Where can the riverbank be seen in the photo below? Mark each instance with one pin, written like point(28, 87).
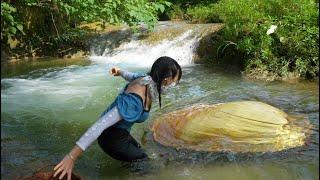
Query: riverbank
point(265, 40)
point(51, 28)
point(91, 36)
point(72, 45)
point(271, 40)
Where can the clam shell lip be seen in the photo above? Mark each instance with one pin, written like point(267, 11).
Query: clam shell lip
point(242, 126)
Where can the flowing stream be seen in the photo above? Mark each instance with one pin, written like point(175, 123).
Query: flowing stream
point(46, 105)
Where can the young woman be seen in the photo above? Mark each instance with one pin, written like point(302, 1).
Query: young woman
point(131, 106)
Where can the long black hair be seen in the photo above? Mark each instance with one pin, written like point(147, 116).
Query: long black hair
point(164, 67)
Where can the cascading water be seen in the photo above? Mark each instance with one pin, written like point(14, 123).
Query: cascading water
point(138, 53)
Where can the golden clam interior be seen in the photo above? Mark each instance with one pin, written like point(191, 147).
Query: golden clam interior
point(245, 126)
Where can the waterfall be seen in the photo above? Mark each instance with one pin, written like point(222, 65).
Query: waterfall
point(138, 53)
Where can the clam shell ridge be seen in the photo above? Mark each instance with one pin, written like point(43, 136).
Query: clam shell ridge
point(244, 126)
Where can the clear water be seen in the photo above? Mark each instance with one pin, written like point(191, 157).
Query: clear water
point(47, 105)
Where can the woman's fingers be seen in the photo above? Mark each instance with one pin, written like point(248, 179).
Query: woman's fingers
point(114, 71)
point(62, 174)
point(69, 174)
point(57, 166)
point(64, 167)
point(58, 171)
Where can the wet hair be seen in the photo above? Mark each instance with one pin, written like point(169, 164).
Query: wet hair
point(164, 67)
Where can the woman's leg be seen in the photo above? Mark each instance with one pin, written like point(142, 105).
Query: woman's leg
point(120, 145)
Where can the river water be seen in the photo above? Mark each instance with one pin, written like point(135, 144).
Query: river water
point(46, 105)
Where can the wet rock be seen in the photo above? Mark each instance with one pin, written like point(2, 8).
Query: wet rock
point(47, 176)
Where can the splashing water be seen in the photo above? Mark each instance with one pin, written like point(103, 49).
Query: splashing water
point(137, 53)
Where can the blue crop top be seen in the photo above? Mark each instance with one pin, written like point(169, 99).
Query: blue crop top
point(131, 109)
point(126, 110)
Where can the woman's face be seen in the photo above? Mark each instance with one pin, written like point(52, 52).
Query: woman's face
point(168, 81)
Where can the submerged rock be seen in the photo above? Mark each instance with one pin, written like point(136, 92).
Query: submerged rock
point(47, 176)
point(245, 126)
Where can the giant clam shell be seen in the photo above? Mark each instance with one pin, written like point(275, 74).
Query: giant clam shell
point(244, 126)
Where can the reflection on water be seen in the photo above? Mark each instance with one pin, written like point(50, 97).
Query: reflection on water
point(47, 106)
point(37, 68)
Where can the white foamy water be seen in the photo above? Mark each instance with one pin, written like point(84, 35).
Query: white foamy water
point(61, 87)
point(139, 54)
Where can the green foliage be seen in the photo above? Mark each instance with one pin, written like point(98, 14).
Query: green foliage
point(176, 12)
point(189, 10)
point(203, 14)
point(56, 21)
point(131, 12)
point(10, 26)
point(293, 47)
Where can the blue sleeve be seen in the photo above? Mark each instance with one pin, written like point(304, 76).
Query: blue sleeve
point(130, 107)
point(130, 76)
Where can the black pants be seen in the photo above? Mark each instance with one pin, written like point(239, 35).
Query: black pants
point(120, 145)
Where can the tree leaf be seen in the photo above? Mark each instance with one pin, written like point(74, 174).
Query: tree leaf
point(161, 7)
point(13, 30)
point(20, 27)
point(167, 3)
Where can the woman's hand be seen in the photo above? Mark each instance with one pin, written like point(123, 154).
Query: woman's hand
point(67, 163)
point(65, 167)
point(115, 71)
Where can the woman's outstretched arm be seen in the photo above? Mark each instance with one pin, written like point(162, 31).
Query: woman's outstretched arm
point(67, 163)
point(128, 76)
